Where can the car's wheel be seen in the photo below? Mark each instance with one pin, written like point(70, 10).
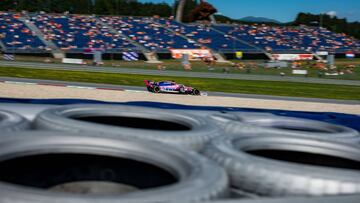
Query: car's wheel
point(10, 121)
point(43, 167)
point(245, 123)
point(156, 89)
point(182, 90)
point(131, 122)
point(150, 89)
point(288, 166)
point(196, 92)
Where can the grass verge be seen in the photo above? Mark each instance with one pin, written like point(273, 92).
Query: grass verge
point(199, 66)
point(217, 85)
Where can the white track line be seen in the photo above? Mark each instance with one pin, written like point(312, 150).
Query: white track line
point(20, 83)
point(81, 87)
point(136, 91)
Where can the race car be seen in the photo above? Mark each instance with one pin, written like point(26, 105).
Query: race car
point(170, 87)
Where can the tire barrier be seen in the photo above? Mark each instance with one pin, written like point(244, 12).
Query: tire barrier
point(43, 167)
point(10, 121)
point(288, 166)
point(333, 199)
point(245, 123)
point(224, 118)
point(180, 129)
point(111, 153)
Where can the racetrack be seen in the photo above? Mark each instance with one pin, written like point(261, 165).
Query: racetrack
point(47, 92)
point(83, 85)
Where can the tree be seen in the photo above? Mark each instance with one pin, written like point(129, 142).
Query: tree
point(6, 5)
point(82, 6)
point(102, 7)
point(332, 23)
point(202, 12)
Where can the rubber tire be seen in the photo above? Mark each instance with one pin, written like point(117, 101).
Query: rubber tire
point(156, 89)
point(223, 119)
point(201, 130)
point(239, 194)
point(270, 177)
point(10, 121)
point(245, 123)
point(199, 178)
point(182, 90)
point(196, 92)
point(333, 199)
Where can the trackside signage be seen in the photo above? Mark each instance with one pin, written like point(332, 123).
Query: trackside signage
point(193, 53)
point(350, 55)
point(292, 57)
point(72, 61)
point(322, 53)
point(300, 72)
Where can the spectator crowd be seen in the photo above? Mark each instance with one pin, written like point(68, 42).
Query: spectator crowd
point(72, 32)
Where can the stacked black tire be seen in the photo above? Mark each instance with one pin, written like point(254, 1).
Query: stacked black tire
point(274, 156)
point(112, 154)
point(11, 122)
point(104, 153)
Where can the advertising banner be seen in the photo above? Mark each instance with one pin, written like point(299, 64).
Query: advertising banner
point(299, 72)
point(350, 55)
point(239, 55)
point(130, 56)
point(72, 61)
point(322, 53)
point(292, 57)
point(193, 53)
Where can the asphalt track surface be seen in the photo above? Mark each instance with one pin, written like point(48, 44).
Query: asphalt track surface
point(176, 73)
point(82, 85)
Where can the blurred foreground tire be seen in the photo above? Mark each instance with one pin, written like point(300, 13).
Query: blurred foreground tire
point(334, 199)
point(10, 121)
point(288, 166)
point(245, 123)
point(43, 167)
point(179, 129)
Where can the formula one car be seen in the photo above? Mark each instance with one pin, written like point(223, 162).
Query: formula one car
point(170, 87)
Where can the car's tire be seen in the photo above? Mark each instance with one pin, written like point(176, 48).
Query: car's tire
point(180, 129)
point(288, 166)
point(10, 121)
point(156, 89)
point(182, 90)
point(196, 92)
point(150, 89)
point(245, 123)
point(34, 162)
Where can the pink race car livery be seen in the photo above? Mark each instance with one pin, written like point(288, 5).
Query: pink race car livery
point(170, 87)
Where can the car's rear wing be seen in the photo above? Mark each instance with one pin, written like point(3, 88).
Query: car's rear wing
point(148, 83)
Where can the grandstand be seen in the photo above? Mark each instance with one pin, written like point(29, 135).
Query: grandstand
point(290, 39)
point(78, 32)
point(151, 35)
point(15, 35)
point(75, 33)
point(207, 36)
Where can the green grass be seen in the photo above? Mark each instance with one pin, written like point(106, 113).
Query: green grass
point(199, 66)
point(218, 85)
